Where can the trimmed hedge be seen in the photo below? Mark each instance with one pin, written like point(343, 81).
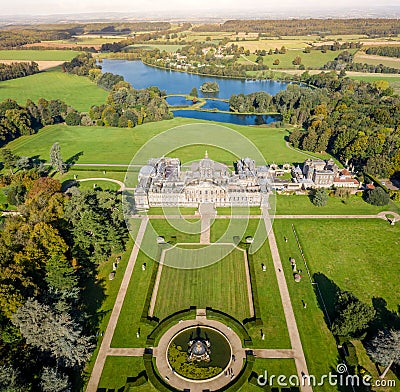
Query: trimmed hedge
point(226, 318)
point(173, 318)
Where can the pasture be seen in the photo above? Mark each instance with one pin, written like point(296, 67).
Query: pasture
point(38, 55)
point(77, 91)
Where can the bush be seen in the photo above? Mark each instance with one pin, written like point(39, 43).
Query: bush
point(377, 197)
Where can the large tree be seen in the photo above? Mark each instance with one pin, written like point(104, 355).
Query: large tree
point(352, 315)
point(56, 159)
point(384, 348)
point(60, 335)
point(319, 197)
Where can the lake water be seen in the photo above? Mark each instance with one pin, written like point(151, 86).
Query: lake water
point(239, 119)
point(143, 76)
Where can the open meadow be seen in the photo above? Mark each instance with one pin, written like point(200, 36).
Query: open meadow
point(38, 55)
point(75, 90)
point(118, 145)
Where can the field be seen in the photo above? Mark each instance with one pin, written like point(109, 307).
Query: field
point(75, 90)
point(161, 46)
point(39, 55)
point(313, 60)
point(221, 285)
point(361, 57)
point(393, 79)
point(301, 205)
point(338, 253)
point(118, 145)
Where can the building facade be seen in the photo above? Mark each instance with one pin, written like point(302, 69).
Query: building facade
point(163, 183)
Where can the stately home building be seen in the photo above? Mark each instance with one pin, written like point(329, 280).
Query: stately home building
point(323, 174)
point(163, 182)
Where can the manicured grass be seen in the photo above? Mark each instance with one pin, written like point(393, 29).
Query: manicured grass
point(80, 174)
point(355, 255)
point(364, 261)
point(277, 367)
point(103, 296)
point(221, 285)
point(76, 91)
point(117, 369)
point(119, 145)
point(105, 185)
point(271, 311)
point(354, 205)
point(318, 342)
point(38, 55)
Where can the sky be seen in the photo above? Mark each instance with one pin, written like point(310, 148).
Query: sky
point(24, 7)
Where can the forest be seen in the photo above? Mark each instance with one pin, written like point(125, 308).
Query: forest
point(356, 121)
point(48, 271)
point(323, 27)
point(17, 70)
point(390, 51)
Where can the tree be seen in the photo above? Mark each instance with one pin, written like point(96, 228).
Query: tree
point(9, 159)
point(56, 159)
point(296, 60)
point(194, 92)
point(384, 349)
point(73, 118)
point(276, 62)
point(10, 380)
point(377, 197)
point(59, 335)
point(54, 381)
point(352, 315)
point(319, 197)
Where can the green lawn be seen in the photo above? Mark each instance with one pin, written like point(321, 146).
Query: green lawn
point(318, 342)
point(117, 369)
point(105, 185)
point(365, 261)
point(119, 145)
point(301, 205)
point(353, 254)
point(271, 367)
point(38, 55)
point(76, 91)
point(393, 79)
point(221, 285)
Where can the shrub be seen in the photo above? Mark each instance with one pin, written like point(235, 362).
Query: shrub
point(73, 119)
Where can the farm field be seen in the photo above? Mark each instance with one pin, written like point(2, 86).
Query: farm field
point(313, 60)
point(161, 46)
point(361, 57)
point(118, 145)
point(221, 285)
point(39, 55)
point(75, 90)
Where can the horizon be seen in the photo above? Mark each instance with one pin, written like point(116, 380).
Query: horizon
point(24, 8)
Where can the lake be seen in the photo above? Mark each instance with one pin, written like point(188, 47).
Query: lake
point(173, 82)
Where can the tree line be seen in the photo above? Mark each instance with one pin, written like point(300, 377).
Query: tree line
point(17, 70)
point(48, 319)
point(17, 120)
point(322, 27)
point(125, 106)
point(16, 38)
point(389, 51)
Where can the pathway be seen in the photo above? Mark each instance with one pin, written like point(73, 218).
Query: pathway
point(297, 347)
point(156, 284)
point(112, 323)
